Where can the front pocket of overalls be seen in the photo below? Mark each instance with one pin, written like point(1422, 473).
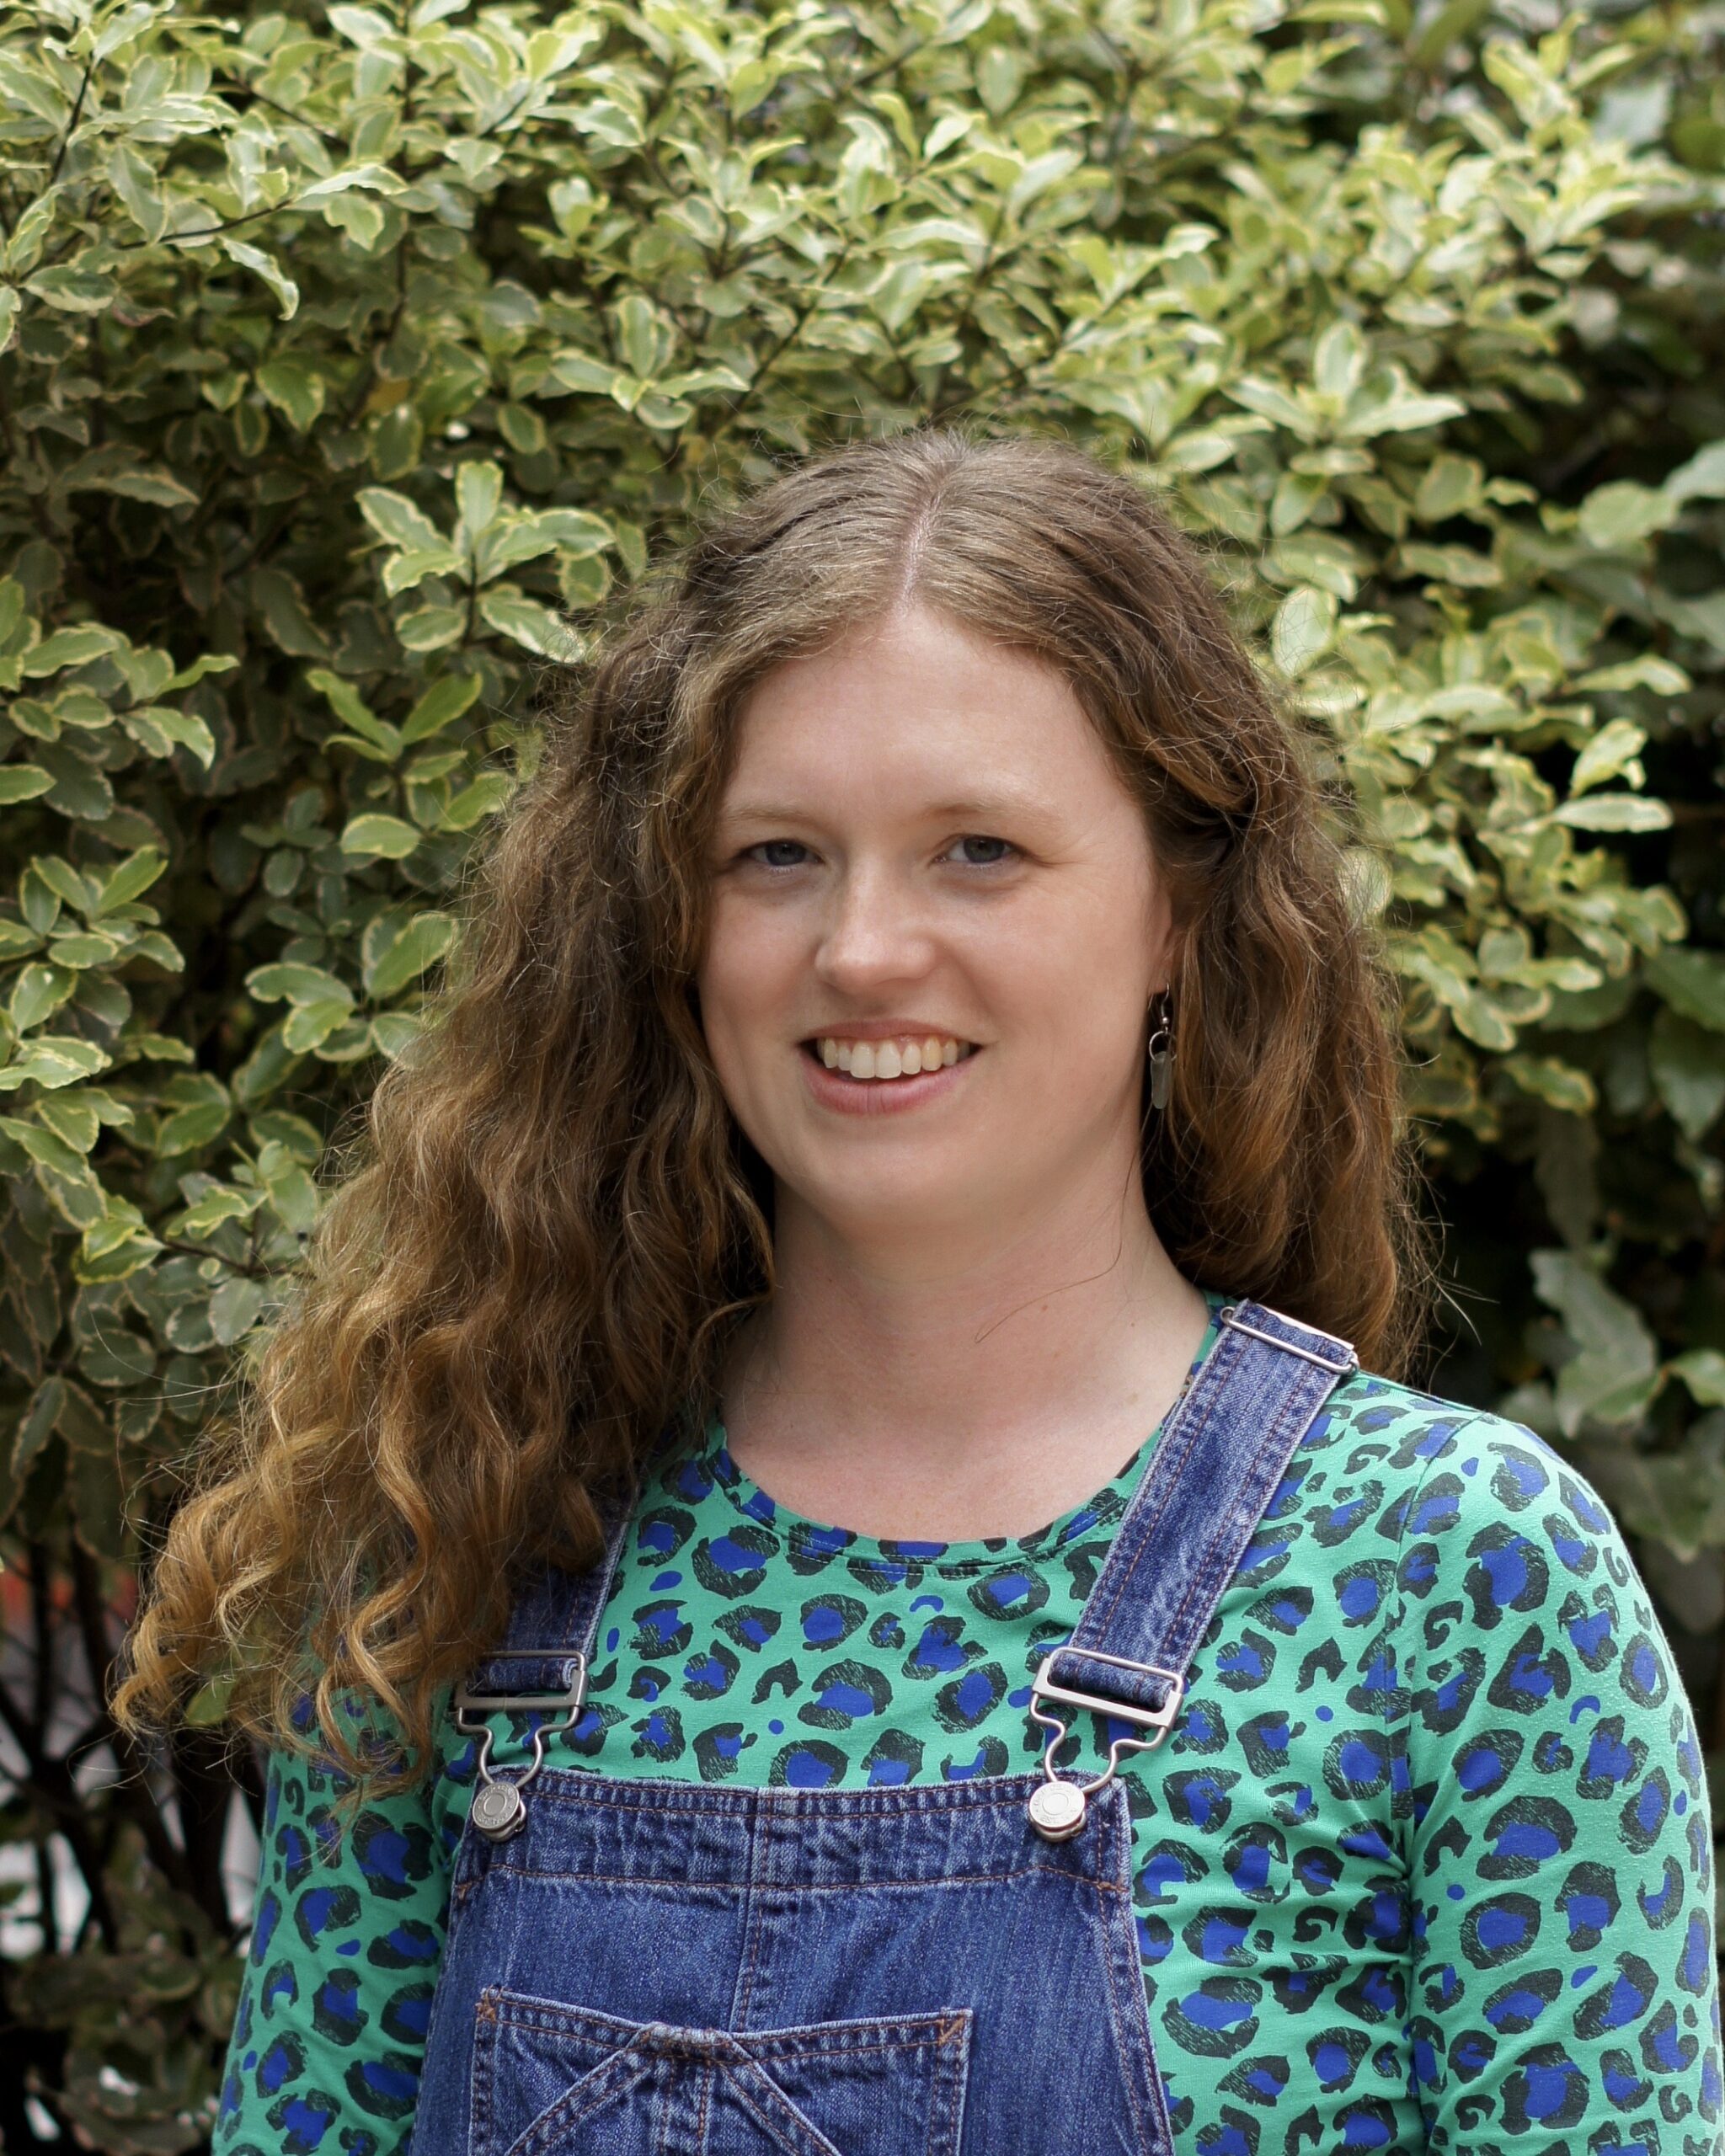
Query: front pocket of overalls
point(556, 2080)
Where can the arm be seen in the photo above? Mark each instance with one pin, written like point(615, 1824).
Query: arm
point(347, 1939)
point(1564, 1993)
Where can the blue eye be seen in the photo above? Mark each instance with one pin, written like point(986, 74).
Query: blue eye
point(797, 845)
point(977, 838)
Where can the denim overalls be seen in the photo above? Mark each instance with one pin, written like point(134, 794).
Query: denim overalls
point(654, 1968)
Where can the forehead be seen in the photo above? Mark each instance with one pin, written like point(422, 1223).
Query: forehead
point(918, 712)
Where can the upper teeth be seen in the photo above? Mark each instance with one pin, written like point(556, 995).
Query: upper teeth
point(890, 1059)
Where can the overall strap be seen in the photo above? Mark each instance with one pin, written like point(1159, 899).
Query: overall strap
point(555, 1616)
point(1219, 1462)
point(539, 1673)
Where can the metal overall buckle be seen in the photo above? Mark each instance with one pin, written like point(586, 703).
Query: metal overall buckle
point(1057, 1809)
point(499, 1809)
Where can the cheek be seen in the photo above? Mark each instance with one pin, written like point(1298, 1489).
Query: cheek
point(1081, 967)
point(750, 962)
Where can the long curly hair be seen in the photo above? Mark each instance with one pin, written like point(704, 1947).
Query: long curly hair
point(554, 1224)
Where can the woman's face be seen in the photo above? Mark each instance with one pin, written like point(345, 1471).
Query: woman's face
point(923, 840)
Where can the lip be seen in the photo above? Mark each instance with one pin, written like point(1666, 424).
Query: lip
point(870, 1097)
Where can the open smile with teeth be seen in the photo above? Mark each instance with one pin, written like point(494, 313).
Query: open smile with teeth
point(896, 1059)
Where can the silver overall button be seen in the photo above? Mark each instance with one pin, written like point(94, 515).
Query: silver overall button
point(498, 1811)
point(1057, 1810)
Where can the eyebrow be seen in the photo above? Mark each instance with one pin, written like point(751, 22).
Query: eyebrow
point(1008, 804)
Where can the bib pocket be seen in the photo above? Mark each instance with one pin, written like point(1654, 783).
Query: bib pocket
point(555, 2080)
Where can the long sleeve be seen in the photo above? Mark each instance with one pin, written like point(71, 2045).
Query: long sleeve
point(347, 1939)
point(1564, 1996)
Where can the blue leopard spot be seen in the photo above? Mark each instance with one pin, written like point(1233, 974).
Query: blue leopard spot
point(264, 1926)
point(1643, 1673)
point(1216, 2020)
point(1642, 1819)
point(1357, 1764)
point(711, 1675)
point(970, 1698)
point(1246, 1663)
point(1617, 2005)
point(1218, 1936)
point(1439, 1508)
point(335, 2008)
point(1545, 2089)
point(825, 1623)
point(1167, 1865)
point(1528, 1832)
point(749, 1628)
point(659, 1736)
point(942, 1649)
point(1590, 1636)
point(845, 1692)
point(386, 2088)
point(1317, 1870)
point(662, 1533)
point(894, 1757)
point(1489, 1761)
point(1692, 1970)
point(808, 1766)
point(732, 1564)
point(407, 2015)
point(1586, 1508)
point(1367, 2124)
point(1156, 1942)
point(1514, 2008)
point(1518, 1480)
point(661, 1629)
point(393, 1860)
point(409, 1946)
point(1589, 1901)
point(1199, 1798)
point(302, 2122)
point(1528, 1678)
point(1360, 1596)
point(822, 1542)
point(1663, 2048)
point(1496, 1931)
point(1335, 2060)
point(320, 1909)
point(284, 2058)
point(1471, 2054)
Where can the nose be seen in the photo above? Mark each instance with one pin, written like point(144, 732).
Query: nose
point(876, 932)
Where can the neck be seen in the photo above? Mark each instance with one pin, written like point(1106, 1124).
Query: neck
point(949, 1390)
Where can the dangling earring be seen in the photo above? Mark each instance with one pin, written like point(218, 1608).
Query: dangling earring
point(1161, 1049)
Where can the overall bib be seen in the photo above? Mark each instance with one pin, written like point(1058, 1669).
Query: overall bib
point(652, 1968)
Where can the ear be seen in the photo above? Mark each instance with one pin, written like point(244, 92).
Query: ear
point(1167, 939)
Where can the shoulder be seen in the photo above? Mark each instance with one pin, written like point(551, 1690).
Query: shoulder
point(1498, 1543)
point(1440, 1494)
point(1440, 1463)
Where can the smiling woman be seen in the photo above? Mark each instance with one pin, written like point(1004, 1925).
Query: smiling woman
point(884, 763)
point(832, 1552)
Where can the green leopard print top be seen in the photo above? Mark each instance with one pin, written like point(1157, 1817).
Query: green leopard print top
point(1424, 1865)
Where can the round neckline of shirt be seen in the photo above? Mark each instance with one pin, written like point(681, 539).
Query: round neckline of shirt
point(803, 1536)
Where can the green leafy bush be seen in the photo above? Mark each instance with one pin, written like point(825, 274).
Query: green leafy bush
point(354, 355)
